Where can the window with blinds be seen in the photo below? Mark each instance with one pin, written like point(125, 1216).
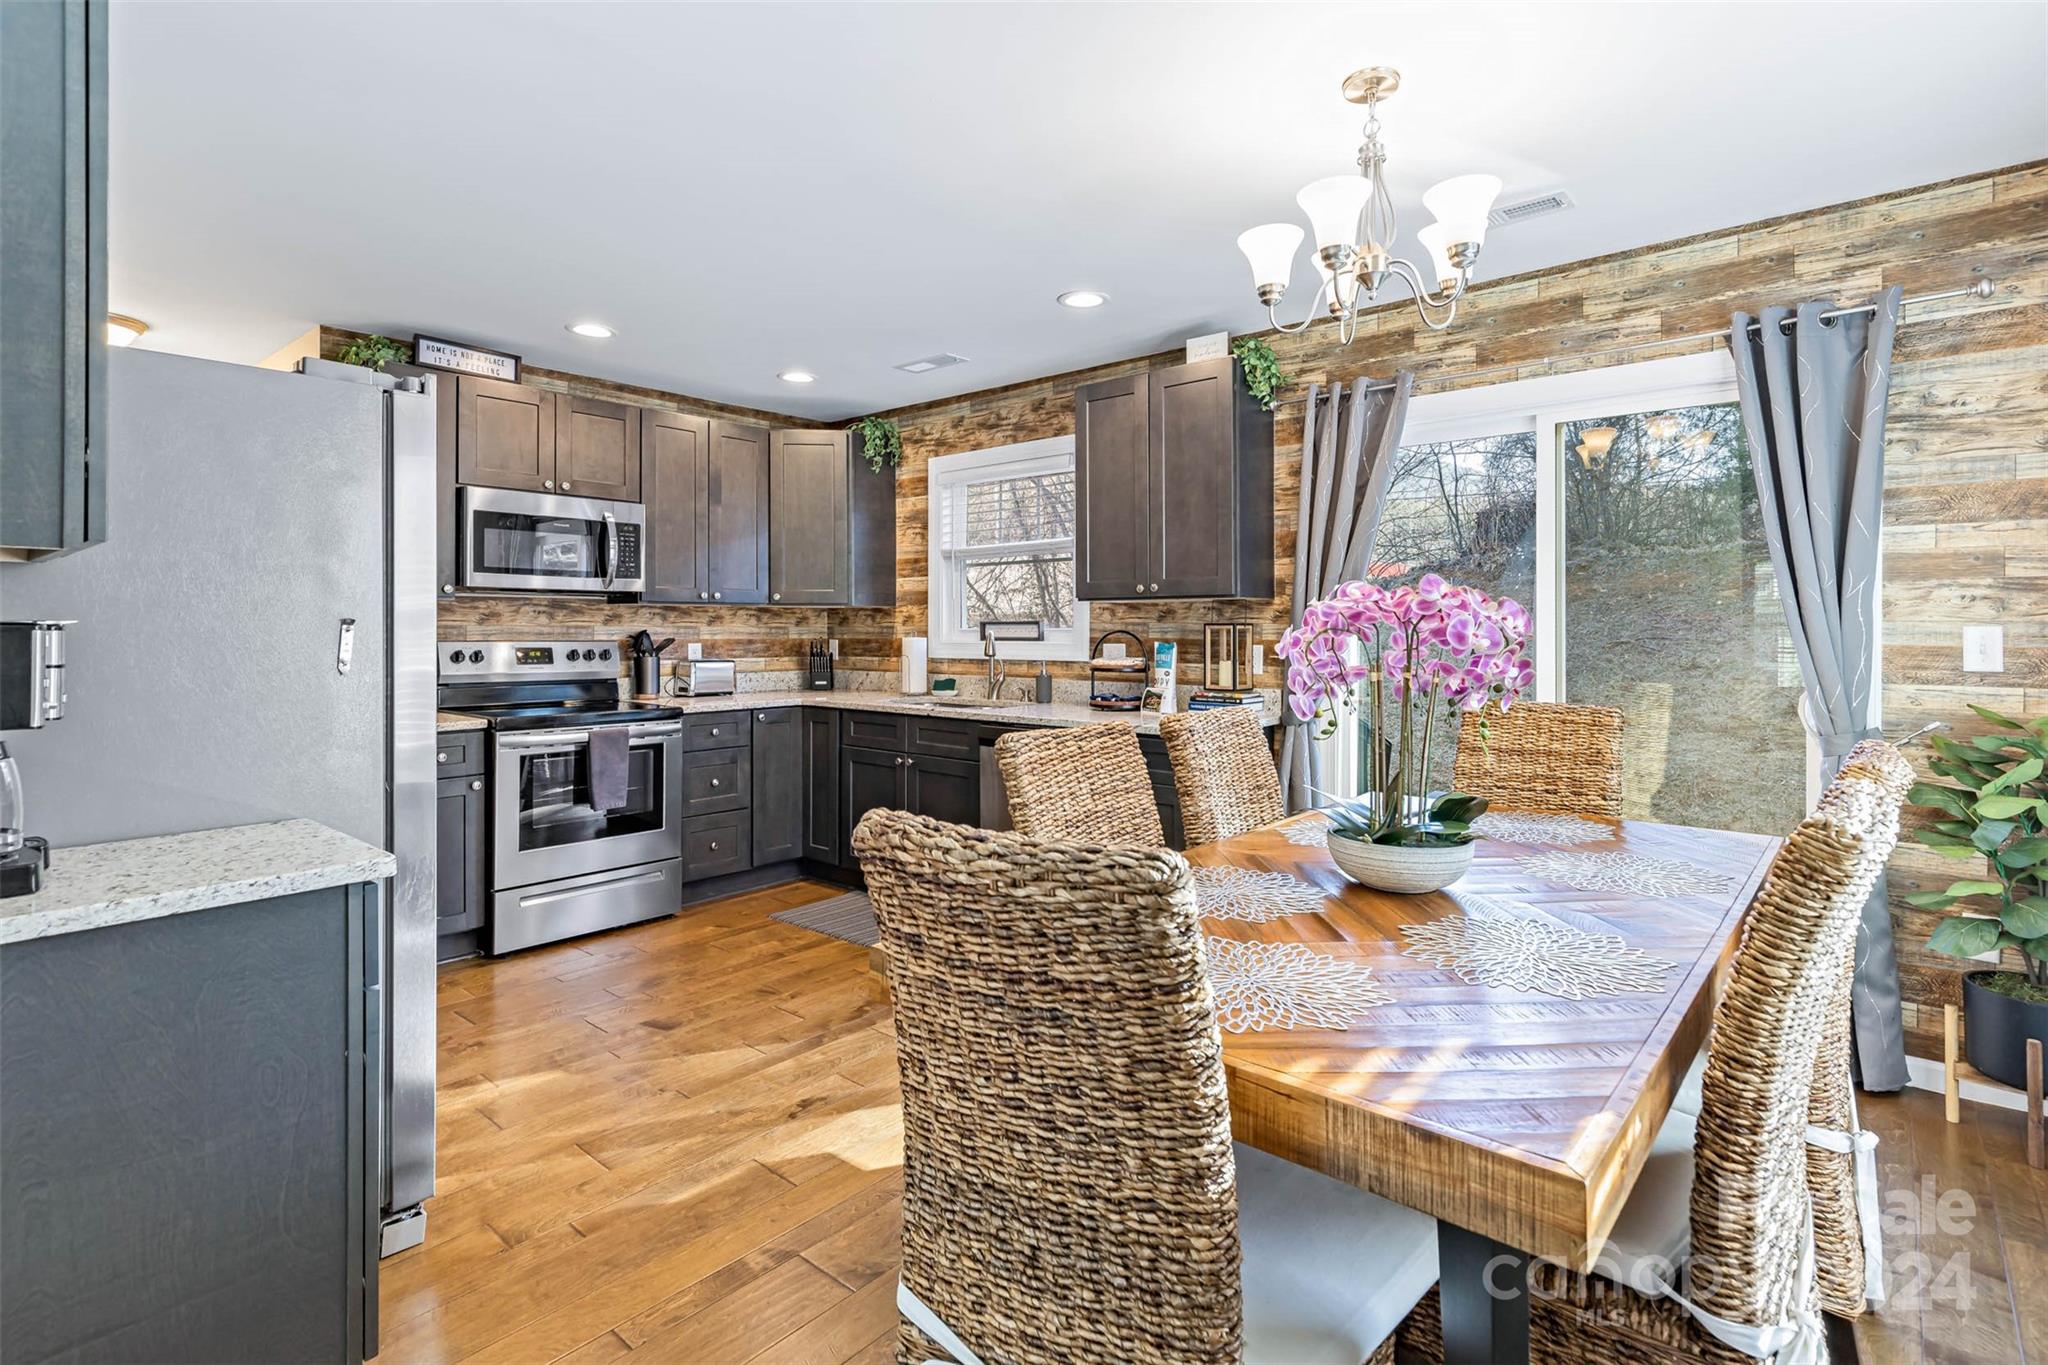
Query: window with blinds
point(1002, 537)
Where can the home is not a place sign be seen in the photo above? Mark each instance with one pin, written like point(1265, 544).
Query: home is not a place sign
point(441, 354)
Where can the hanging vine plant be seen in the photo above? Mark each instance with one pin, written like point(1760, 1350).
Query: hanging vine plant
point(1262, 373)
point(880, 441)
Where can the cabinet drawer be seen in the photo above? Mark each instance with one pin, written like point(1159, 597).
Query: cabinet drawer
point(944, 738)
point(873, 730)
point(461, 754)
point(714, 845)
point(716, 779)
point(718, 730)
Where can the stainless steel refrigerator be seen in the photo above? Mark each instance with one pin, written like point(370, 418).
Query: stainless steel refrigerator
point(255, 641)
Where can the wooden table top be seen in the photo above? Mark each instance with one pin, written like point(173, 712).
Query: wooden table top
point(1521, 1116)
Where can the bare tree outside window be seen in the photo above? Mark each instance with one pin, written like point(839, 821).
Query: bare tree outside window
point(1018, 560)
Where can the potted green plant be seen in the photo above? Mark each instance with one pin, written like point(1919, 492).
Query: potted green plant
point(1994, 806)
point(374, 352)
point(1407, 659)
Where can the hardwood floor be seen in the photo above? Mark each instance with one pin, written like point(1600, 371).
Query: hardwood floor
point(681, 1142)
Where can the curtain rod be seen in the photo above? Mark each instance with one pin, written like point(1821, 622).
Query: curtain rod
point(1981, 289)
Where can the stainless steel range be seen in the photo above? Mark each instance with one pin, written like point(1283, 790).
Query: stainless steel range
point(586, 789)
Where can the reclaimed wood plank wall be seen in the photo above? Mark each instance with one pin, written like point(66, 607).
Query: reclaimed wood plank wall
point(1966, 509)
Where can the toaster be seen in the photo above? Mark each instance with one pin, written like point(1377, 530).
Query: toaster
point(705, 677)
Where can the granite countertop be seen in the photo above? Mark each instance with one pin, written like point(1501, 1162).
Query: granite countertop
point(1062, 714)
point(94, 886)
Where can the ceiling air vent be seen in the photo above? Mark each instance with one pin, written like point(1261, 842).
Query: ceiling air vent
point(1557, 201)
point(926, 364)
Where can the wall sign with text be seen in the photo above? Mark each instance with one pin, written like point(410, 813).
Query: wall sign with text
point(437, 353)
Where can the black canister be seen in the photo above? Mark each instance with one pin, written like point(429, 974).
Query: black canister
point(646, 675)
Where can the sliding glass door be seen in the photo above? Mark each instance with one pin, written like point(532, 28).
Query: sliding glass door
point(1619, 506)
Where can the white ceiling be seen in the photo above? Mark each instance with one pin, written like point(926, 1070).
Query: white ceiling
point(744, 189)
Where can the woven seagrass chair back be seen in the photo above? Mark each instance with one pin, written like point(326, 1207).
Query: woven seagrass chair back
point(1224, 772)
point(1750, 1209)
point(1831, 1103)
point(1069, 1190)
point(1543, 756)
point(1087, 785)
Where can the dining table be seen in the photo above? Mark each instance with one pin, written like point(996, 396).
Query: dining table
point(1504, 1071)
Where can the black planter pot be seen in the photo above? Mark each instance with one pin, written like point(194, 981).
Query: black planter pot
point(1996, 1028)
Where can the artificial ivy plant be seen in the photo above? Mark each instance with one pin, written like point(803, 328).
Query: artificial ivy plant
point(375, 352)
point(880, 441)
point(1261, 370)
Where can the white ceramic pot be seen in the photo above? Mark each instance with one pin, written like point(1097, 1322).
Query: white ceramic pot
point(1399, 867)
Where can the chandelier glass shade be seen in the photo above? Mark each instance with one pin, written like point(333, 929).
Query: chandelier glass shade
point(1352, 219)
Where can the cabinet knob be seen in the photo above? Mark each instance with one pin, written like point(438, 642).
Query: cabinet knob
point(703, 597)
point(714, 781)
point(447, 587)
point(774, 597)
point(718, 597)
point(1141, 587)
point(1155, 587)
point(476, 784)
point(547, 483)
point(565, 485)
point(441, 758)
point(714, 845)
point(714, 732)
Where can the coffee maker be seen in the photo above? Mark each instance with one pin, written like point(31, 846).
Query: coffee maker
point(32, 695)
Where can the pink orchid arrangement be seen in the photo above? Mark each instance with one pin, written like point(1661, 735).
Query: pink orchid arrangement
point(1405, 656)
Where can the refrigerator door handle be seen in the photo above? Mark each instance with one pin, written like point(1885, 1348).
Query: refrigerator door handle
point(345, 646)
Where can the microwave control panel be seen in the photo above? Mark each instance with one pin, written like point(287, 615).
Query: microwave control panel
point(629, 552)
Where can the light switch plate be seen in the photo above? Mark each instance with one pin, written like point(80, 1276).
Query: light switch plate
point(1983, 649)
point(1258, 660)
point(696, 648)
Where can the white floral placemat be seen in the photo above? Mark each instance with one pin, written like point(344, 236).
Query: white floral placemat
point(1625, 872)
point(1260, 986)
point(1309, 833)
point(1253, 897)
point(1521, 953)
point(1529, 827)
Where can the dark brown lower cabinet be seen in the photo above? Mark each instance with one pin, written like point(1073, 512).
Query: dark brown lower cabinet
point(944, 788)
point(459, 855)
point(778, 785)
point(822, 837)
point(874, 779)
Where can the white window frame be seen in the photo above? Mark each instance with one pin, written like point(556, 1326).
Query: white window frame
point(944, 476)
point(1541, 405)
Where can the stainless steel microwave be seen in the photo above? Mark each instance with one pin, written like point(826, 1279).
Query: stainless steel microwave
point(538, 541)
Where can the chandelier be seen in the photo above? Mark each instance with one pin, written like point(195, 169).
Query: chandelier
point(1353, 220)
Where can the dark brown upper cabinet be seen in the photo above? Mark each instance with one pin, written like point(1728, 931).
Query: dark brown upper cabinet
point(1173, 479)
point(706, 486)
point(597, 448)
point(832, 523)
point(504, 435)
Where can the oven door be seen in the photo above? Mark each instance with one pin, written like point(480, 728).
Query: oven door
point(539, 541)
point(543, 825)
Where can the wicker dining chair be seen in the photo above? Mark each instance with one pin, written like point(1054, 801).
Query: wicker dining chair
point(1070, 1189)
point(1723, 1196)
point(1087, 785)
point(1543, 756)
point(1224, 771)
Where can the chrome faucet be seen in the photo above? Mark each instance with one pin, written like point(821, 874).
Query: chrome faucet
point(996, 673)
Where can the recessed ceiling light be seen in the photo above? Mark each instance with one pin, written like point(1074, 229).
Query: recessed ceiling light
point(796, 376)
point(123, 330)
point(596, 330)
point(1084, 298)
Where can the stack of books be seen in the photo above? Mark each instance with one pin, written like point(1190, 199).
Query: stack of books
point(1211, 698)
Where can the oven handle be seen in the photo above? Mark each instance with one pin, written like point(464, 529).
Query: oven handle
point(611, 550)
point(571, 893)
point(569, 739)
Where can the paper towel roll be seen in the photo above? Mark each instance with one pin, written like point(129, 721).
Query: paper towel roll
point(916, 655)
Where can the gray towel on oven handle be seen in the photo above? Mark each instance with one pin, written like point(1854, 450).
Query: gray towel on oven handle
point(609, 747)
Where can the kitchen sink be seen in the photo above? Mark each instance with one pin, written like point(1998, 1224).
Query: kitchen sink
point(974, 703)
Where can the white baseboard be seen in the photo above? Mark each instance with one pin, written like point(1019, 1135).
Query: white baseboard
point(1924, 1073)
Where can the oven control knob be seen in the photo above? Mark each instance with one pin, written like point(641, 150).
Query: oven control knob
point(456, 657)
point(574, 655)
point(604, 654)
point(476, 656)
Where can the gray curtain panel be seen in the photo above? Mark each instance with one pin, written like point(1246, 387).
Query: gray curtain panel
point(1348, 441)
point(1813, 405)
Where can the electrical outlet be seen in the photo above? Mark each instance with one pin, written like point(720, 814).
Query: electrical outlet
point(1258, 660)
point(696, 648)
point(1983, 649)
point(832, 647)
